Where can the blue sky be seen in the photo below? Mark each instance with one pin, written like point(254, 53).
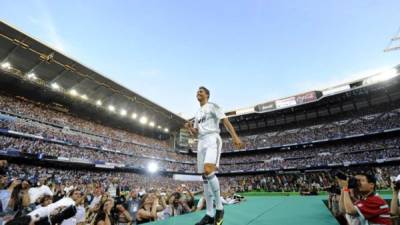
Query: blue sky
point(246, 52)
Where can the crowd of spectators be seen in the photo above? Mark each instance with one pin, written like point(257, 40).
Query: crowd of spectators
point(55, 150)
point(137, 198)
point(45, 113)
point(132, 198)
point(370, 123)
point(367, 151)
point(123, 198)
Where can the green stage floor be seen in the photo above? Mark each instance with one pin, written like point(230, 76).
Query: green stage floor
point(287, 210)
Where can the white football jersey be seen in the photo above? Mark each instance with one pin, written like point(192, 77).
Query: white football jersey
point(207, 119)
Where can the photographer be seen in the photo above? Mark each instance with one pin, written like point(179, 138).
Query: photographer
point(121, 215)
point(394, 205)
point(104, 217)
point(366, 206)
point(147, 209)
point(79, 217)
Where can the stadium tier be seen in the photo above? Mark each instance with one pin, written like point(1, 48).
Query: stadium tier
point(67, 127)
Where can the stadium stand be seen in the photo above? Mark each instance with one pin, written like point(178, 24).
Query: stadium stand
point(62, 143)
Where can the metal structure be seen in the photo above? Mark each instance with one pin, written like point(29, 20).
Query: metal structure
point(32, 69)
point(394, 43)
point(359, 95)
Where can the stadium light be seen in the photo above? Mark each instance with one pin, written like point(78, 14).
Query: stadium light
point(166, 130)
point(143, 120)
point(31, 76)
point(134, 116)
point(159, 127)
point(152, 167)
point(6, 65)
point(111, 108)
point(387, 75)
point(122, 112)
point(152, 124)
point(99, 103)
point(73, 92)
point(84, 97)
point(55, 86)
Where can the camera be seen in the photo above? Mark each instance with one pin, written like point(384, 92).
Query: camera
point(41, 219)
point(352, 181)
point(396, 183)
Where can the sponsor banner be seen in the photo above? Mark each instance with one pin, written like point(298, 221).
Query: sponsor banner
point(3, 130)
point(63, 158)
point(58, 141)
point(393, 159)
point(324, 153)
point(79, 160)
point(100, 162)
point(245, 111)
point(265, 107)
point(184, 177)
point(322, 140)
point(306, 97)
point(114, 164)
point(336, 89)
point(104, 166)
point(286, 102)
point(354, 135)
point(390, 130)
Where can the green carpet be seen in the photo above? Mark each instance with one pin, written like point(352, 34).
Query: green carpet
point(290, 210)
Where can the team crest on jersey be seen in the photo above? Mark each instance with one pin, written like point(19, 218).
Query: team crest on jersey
point(201, 120)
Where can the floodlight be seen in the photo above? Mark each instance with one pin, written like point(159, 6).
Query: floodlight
point(152, 124)
point(159, 127)
point(73, 92)
point(84, 97)
point(111, 108)
point(31, 76)
point(166, 130)
point(134, 116)
point(122, 112)
point(6, 65)
point(99, 103)
point(55, 86)
point(143, 120)
point(152, 167)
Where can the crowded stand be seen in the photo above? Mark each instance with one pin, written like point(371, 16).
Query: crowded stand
point(63, 143)
point(370, 123)
point(25, 189)
point(360, 152)
point(42, 113)
point(303, 158)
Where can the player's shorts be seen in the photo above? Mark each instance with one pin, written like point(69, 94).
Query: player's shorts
point(208, 151)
